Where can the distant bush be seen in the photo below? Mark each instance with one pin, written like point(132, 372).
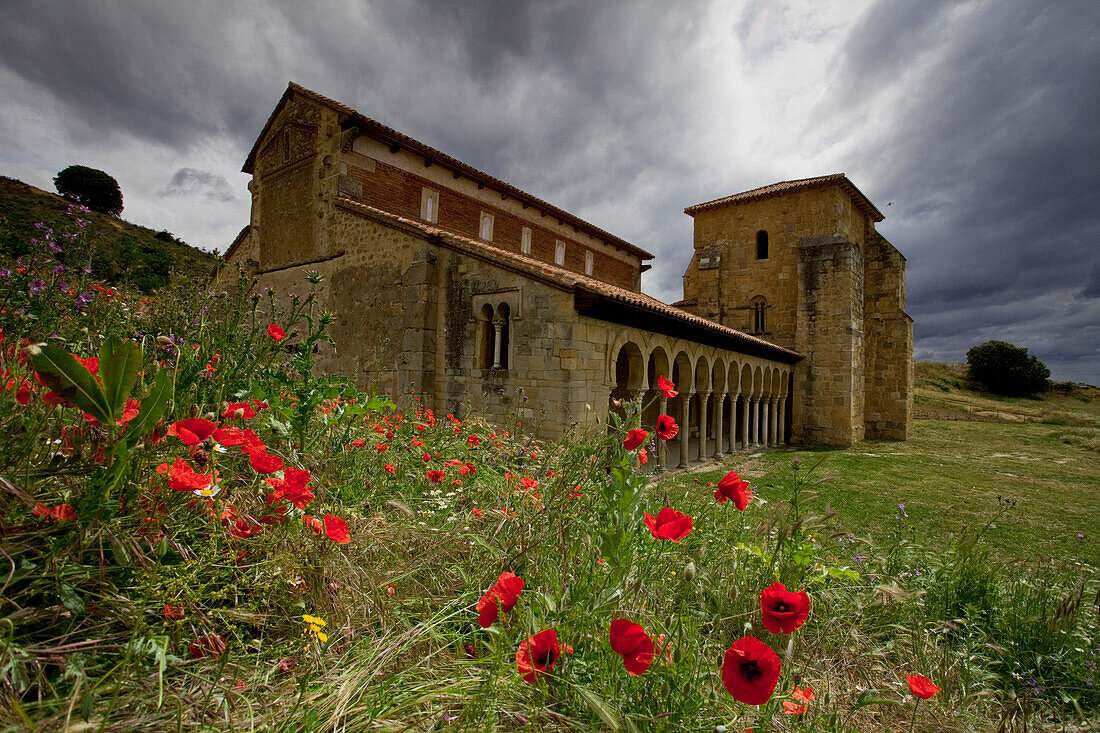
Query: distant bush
point(90, 187)
point(1007, 369)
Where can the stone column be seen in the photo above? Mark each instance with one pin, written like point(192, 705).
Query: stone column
point(703, 419)
point(719, 419)
point(773, 423)
point(765, 402)
point(733, 423)
point(782, 421)
point(744, 422)
point(662, 445)
point(498, 325)
point(754, 422)
point(685, 429)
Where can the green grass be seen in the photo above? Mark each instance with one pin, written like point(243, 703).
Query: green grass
point(950, 474)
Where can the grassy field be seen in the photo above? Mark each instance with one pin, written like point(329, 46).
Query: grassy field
point(970, 453)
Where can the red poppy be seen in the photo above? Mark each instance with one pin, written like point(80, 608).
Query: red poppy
point(477, 512)
point(783, 611)
point(732, 487)
point(208, 645)
point(632, 642)
point(276, 332)
point(313, 523)
point(390, 469)
point(193, 430)
point(240, 410)
point(635, 438)
point(669, 524)
point(667, 387)
point(803, 698)
point(921, 686)
point(538, 654)
point(63, 513)
point(264, 462)
point(181, 477)
point(435, 476)
point(643, 456)
point(750, 671)
point(529, 483)
point(358, 443)
point(292, 487)
point(466, 469)
point(336, 529)
point(59, 513)
point(172, 610)
point(501, 597)
point(667, 427)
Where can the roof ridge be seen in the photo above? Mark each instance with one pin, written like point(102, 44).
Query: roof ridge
point(795, 184)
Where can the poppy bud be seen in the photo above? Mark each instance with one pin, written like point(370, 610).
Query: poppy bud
point(163, 340)
point(663, 691)
point(223, 407)
point(194, 411)
point(690, 571)
point(162, 547)
point(210, 416)
point(238, 413)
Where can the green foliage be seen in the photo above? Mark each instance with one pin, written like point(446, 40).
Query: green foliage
point(90, 187)
point(1006, 369)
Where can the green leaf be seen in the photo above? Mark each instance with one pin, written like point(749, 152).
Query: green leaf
point(70, 599)
point(71, 380)
point(602, 708)
point(152, 407)
point(119, 362)
point(873, 697)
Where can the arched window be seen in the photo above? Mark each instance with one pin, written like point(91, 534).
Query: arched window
point(761, 245)
point(486, 341)
point(503, 324)
point(759, 309)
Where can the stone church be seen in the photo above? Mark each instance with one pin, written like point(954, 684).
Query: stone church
point(481, 297)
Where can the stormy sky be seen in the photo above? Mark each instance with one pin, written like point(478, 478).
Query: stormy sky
point(974, 126)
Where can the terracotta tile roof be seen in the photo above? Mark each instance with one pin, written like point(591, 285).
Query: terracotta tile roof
point(774, 189)
point(387, 134)
point(557, 276)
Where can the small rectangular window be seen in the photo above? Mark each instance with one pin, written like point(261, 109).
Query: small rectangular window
point(559, 253)
point(588, 259)
point(485, 231)
point(429, 205)
point(525, 241)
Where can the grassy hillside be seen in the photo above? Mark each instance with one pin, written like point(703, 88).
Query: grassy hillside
point(117, 251)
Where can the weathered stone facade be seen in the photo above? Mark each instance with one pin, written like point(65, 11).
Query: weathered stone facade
point(831, 288)
point(478, 296)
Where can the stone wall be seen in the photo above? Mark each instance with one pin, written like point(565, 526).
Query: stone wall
point(725, 275)
point(830, 383)
point(888, 406)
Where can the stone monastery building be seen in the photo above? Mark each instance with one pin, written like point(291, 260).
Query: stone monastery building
point(480, 296)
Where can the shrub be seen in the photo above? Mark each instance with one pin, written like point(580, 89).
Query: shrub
point(90, 187)
point(1007, 369)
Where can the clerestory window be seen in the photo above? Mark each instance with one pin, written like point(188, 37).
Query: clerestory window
point(761, 245)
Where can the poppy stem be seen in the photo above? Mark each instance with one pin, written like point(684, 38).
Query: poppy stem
point(914, 719)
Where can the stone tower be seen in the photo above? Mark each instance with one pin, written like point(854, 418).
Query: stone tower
point(799, 263)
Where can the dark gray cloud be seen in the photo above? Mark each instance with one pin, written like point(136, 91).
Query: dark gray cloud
point(192, 182)
point(989, 153)
point(976, 119)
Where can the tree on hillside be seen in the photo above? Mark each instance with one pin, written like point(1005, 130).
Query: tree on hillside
point(90, 187)
point(1006, 369)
